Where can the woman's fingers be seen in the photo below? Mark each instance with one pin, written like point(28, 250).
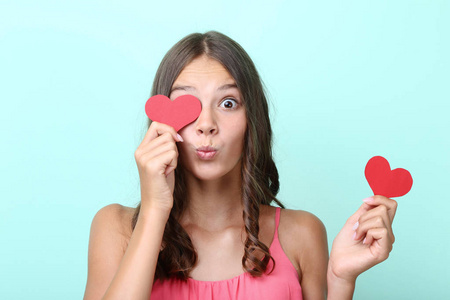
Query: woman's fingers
point(158, 152)
point(380, 243)
point(390, 204)
point(373, 223)
point(169, 159)
point(163, 143)
point(379, 214)
point(380, 210)
point(156, 129)
point(155, 153)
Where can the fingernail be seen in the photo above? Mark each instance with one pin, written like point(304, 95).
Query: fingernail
point(368, 200)
point(355, 226)
point(364, 240)
point(354, 235)
point(180, 138)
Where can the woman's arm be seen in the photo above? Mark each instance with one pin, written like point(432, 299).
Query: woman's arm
point(338, 288)
point(116, 273)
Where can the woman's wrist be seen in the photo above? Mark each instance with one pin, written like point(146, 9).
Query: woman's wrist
point(154, 213)
point(339, 288)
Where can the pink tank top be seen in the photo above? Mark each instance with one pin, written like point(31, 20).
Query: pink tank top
point(282, 283)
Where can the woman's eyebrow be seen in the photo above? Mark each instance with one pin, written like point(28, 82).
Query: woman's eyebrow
point(188, 87)
point(182, 88)
point(227, 86)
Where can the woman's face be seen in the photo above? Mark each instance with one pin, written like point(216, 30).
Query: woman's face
point(213, 143)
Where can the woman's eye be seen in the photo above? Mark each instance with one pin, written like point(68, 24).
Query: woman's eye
point(229, 103)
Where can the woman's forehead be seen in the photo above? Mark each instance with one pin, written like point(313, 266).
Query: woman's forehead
point(203, 73)
point(202, 67)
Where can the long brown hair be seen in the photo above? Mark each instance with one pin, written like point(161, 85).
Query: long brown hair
point(259, 174)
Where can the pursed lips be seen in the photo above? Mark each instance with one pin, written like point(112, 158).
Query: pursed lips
point(206, 152)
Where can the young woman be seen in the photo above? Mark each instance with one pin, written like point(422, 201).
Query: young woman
point(205, 227)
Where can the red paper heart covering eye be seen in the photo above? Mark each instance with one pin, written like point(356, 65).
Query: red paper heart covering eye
point(387, 182)
point(177, 113)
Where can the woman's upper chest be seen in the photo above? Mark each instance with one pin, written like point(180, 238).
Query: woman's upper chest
point(220, 253)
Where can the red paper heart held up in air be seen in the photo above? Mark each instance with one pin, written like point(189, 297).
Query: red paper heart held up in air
point(177, 113)
point(386, 182)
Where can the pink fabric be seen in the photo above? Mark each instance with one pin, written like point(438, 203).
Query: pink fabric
point(281, 284)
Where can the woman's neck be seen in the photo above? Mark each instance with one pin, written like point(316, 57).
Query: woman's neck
point(215, 204)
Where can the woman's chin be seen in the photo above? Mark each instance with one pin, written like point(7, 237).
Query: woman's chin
point(212, 173)
point(207, 175)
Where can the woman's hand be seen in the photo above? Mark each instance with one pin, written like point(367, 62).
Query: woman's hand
point(365, 240)
point(156, 159)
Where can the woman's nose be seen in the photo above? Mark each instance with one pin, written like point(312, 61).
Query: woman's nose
point(206, 122)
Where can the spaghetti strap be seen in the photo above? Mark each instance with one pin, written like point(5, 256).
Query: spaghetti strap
point(277, 221)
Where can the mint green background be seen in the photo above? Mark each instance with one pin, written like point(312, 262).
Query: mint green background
point(347, 79)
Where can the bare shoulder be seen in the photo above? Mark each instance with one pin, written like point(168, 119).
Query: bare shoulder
point(115, 219)
point(304, 240)
point(301, 222)
point(115, 210)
